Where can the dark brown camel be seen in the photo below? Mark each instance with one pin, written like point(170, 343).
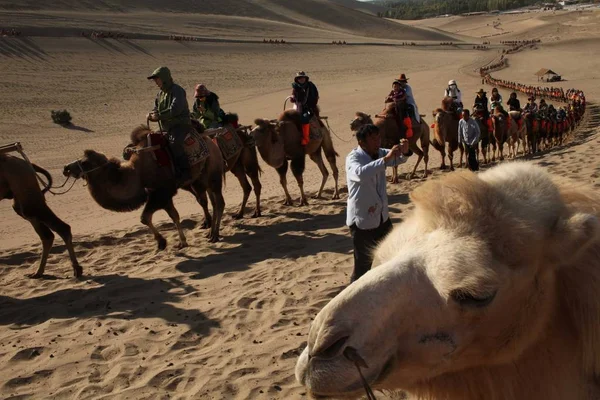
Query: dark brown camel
point(127, 185)
point(390, 136)
point(18, 181)
point(279, 144)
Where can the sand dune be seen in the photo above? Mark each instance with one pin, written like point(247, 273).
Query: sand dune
point(222, 321)
point(242, 18)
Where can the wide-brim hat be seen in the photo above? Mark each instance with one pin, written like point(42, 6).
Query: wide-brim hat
point(201, 90)
point(402, 78)
point(481, 91)
point(301, 74)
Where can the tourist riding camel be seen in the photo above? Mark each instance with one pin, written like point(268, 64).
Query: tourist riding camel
point(397, 97)
point(495, 99)
point(454, 92)
point(413, 110)
point(305, 97)
point(206, 108)
point(172, 113)
point(513, 103)
point(481, 100)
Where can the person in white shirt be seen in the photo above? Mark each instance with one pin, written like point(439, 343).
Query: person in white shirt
point(453, 91)
point(410, 98)
point(367, 214)
point(468, 136)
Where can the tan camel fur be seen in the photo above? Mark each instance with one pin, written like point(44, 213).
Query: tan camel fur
point(18, 181)
point(487, 290)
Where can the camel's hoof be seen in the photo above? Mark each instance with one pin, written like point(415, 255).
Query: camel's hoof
point(336, 197)
point(182, 245)
point(78, 271)
point(288, 202)
point(256, 214)
point(205, 225)
point(451, 168)
point(238, 216)
point(212, 239)
point(162, 244)
point(443, 166)
point(318, 197)
point(409, 176)
point(35, 276)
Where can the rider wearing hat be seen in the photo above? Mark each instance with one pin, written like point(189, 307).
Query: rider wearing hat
point(206, 107)
point(305, 96)
point(513, 103)
point(531, 107)
point(481, 101)
point(172, 112)
point(410, 98)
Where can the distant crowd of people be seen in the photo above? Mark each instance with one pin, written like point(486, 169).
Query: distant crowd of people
point(480, 48)
point(10, 32)
point(103, 35)
point(276, 41)
point(446, 43)
point(502, 63)
point(518, 42)
point(554, 93)
point(181, 38)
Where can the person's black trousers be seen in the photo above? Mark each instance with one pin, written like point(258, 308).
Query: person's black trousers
point(365, 241)
point(472, 157)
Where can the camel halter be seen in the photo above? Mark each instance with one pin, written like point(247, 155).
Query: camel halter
point(352, 355)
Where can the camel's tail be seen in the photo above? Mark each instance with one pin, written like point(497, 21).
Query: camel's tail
point(42, 171)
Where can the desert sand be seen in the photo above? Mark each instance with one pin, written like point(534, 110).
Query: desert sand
point(222, 321)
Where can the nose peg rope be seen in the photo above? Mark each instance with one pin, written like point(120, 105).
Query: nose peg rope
point(352, 355)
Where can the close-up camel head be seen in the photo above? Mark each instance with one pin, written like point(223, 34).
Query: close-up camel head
point(359, 120)
point(486, 291)
point(90, 161)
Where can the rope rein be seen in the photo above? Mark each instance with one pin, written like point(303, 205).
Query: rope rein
point(352, 355)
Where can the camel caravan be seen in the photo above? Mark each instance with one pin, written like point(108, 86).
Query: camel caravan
point(194, 151)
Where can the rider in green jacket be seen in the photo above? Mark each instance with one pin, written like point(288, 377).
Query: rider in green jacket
point(172, 112)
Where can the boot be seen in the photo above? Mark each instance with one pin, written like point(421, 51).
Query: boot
point(305, 134)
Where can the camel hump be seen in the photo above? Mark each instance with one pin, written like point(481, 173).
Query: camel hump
point(139, 134)
point(292, 116)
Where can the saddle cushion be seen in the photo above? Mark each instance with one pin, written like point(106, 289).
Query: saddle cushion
point(195, 148)
point(228, 141)
point(161, 154)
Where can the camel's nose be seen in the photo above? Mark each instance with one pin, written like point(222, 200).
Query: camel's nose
point(329, 347)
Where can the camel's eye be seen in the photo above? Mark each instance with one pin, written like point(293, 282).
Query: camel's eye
point(465, 299)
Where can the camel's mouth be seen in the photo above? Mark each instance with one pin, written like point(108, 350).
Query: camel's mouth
point(356, 388)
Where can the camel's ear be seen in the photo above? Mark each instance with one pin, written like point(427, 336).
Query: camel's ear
point(572, 236)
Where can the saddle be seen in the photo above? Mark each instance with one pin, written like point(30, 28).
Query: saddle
point(158, 144)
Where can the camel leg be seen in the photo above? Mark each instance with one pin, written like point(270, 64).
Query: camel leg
point(297, 165)
point(282, 171)
point(317, 158)
point(238, 171)
point(450, 157)
point(218, 204)
point(47, 238)
point(156, 201)
point(174, 215)
point(253, 171)
point(415, 149)
point(334, 169)
point(64, 231)
point(198, 190)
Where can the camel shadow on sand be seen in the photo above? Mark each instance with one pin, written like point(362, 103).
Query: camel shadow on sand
point(119, 297)
point(290, 239)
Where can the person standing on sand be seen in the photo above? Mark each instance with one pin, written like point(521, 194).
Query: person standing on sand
point(367, 214)
point(468, 135)
point(172, 113)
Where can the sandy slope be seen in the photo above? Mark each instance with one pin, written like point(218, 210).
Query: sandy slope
point(210, 18)
point(222, 321)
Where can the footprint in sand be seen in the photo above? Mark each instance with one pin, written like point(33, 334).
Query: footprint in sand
point(28, 380)
point(27, 354)
point(245, 302)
